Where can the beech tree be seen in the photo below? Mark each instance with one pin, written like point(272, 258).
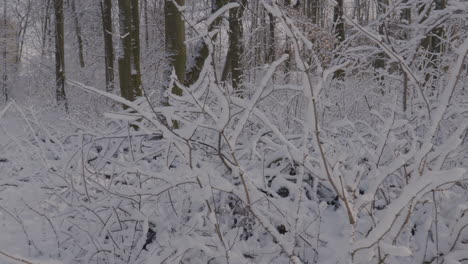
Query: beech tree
point(78, 33)
point(433, 43)
point(175, 42)
point(379, 62)
point(129, 61)
point(106, 12)
point(233, 65)
point(60, 53)
point(194, 68)
point(4, 52)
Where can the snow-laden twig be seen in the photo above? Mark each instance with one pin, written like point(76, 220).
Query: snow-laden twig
point(414, 190)
point(5, 109)
point(252, 102)
point(392, 54)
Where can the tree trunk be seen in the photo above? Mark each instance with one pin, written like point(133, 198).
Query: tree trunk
point(45, 28)
point(78, 33)
point(22, 34)
point(129, 62)
point(433, 44)
point(193, 73)
point(405, 20)
point(175, 41)
point(4, 52)
point(314, 11)
point(106, 10)
point(272, 49)
point(60, 53)
point(145, 14)
point(338, 21)
point(339, 30)
point(135, 34)
point(236, 48)
point(379, 62)
point(258, 21)
point(357, 11)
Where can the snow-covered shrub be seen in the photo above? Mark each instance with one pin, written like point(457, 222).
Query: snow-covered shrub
point(247, 180)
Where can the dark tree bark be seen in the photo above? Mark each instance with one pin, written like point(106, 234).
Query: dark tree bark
point(357, 11)
point(193, 72)
point(236, 48)
point(379, 62)
point(313, 11)
point(4, 53)
point(338, 21)
point(106, 10)
point(22, 33)
point(175, 41)
point(339, 30)
point(272, 47)
point(433, 44)
point(145, 17)
point(45, 27)
point(405, 20)
point(78, 34)
point(129, 62)
point(60, 53)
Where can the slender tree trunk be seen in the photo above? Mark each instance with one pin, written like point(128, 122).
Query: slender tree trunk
point(434, 46)
point(264, 37)
point(357, 11)
point(22, 34)
point(129, 63)
point(405, 91)
point(175, 41)
point(145, 14)
point(78, 34)
point(338, 21)
point(254, 38)
point(288, 62)
point(45, 27)
point(106, 10)
point(438, 34)
point(379, 62)
point(236, 48)
point(405, 20)
point(193, 72)
point(272, 48)
point(339, 30)
point(366, 12)
point(135, 33)
point(125, 68)
point(4, 52)
point(314, 11)
point(60, 53)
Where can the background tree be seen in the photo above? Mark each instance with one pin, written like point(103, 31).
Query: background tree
point(45, 25)
point(60, 53)
point(23, 18)
point(339, 29)
point(78, 33)
point(433, 43)
point(175, 42)
point(106, 13)
point(201, 49)
point(233, 65)
point(379, 62)
point(5, 51)
point(129, 61)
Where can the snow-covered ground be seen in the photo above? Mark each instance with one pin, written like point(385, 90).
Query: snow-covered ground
point(25, 230)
